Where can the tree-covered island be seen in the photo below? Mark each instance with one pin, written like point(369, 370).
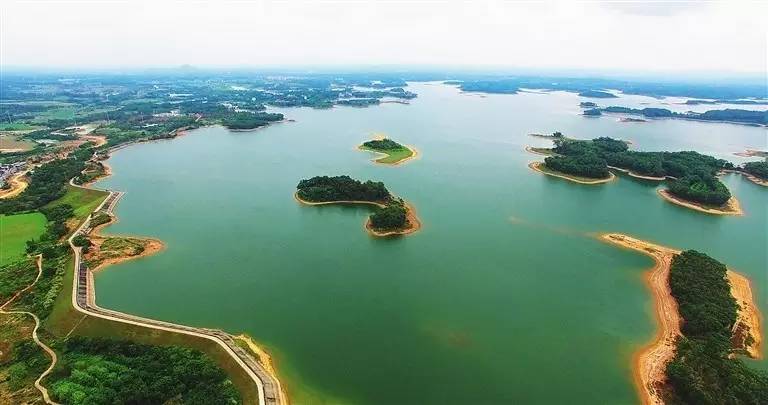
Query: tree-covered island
point(704, 370)
point(756, 171)
point(692, 177)
point(394, 152)
point(392, 215)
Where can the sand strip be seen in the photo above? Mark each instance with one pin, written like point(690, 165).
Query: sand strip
point(748, 318)
point(536, 166)
point(414, 154)
point(650, 362)
point(732, 207)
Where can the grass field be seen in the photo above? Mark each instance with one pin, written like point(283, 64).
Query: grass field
point(83, 201)
point(17, 126)
point(393, 155)
point(15, 231)
point(8, 141)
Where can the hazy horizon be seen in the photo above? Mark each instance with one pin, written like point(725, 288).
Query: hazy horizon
point(605, 38)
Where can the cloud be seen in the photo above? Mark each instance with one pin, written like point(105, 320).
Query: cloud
point(656, 8)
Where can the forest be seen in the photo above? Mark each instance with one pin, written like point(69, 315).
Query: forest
point(247, 120)
point(730, 115)
point(694, 175)
point(342, 188)
point(392, 216)
point(757, 169)
point(383, 144)
point(101, 371)
point(702, 371)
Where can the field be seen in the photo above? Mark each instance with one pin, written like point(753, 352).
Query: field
point(17, 126)
point(83, 201)
point(393, 155)
point(12, 142)
point(15, 231)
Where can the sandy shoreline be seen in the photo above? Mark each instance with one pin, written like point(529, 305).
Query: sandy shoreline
point(265, 359)
point(649, 362)
point(531, 149)
point(640, 176)
point(536, 166)
point(413, 220)
point(732, 207)
point(748, 317)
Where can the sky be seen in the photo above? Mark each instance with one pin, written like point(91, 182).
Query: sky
point(729, 37)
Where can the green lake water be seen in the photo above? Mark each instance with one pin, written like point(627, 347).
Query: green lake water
point(503, 297)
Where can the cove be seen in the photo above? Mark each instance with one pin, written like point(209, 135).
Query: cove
point(503, 296)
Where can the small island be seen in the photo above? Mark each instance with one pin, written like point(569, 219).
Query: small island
point(596, 94)
point(593, 112)
point(691, 177)
point(587, 104)
point(394, 153)
point(391, 217)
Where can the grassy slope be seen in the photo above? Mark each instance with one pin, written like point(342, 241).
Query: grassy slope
point(15, 231)
point(393, 155)
point(83, 201)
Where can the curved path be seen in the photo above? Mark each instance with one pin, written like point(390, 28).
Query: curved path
point(84, 301)
point(51, 353)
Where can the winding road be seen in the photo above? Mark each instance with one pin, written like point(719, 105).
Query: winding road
point(51, 353)
point(84, 301)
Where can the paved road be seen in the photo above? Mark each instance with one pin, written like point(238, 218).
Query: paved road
point(51, 353)
point(83, 300)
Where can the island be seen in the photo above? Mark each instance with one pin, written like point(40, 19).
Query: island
point(757, 172)
point(692, 177)
point(246, 121)
point(596, 94)
point(593, 112)
point(706, 316)
point(394, 153)
point(392, 216)
point(728, 115)
point(587, 104)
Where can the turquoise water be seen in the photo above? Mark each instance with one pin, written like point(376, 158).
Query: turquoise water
point(504, 296)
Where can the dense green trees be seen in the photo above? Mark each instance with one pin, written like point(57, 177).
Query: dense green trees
point(342, 188)
point(695, 174)
point(757, 169)
point(732, 115)
point(247, 120)
point(596, 94)
point(383, 144)
point(702, 372)
point(100, 371)
point(592, 112)
point(392, 216)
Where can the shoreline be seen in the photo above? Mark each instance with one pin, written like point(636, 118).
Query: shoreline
point(413, 220)
point(747, 318)
point(649, 362)
point(536, 166)
point(283, 397)
point(533, 150)
point(749, 176)
point(266, 361)
point(414, 154)
point(732, 207)
point(640, 176)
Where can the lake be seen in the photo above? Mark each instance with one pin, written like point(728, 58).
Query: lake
point(504, 296)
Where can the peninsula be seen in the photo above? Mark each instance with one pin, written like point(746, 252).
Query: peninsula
point(392, 216)
point(394, 153)
point(706, 314)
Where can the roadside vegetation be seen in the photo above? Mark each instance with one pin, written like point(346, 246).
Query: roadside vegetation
point(703, 370)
